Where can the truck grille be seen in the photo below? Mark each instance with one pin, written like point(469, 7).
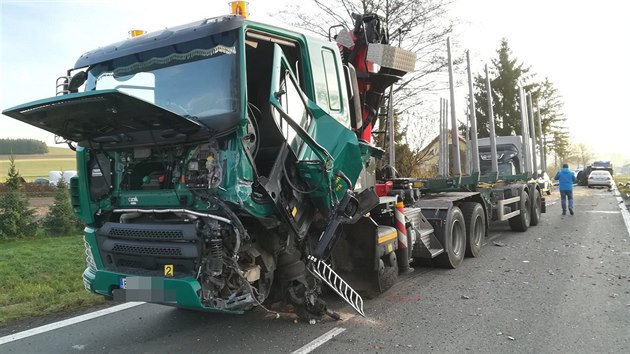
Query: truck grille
point(147, 250)
point(136, 249)
point(150, 232)
point(146, 234)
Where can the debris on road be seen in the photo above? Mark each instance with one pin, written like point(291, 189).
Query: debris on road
point(510, 338)
point(499, 244)
point(465, 297)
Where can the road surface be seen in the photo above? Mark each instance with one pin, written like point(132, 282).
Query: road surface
point(562, 286)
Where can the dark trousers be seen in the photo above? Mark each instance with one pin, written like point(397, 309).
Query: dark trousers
point(564, 195)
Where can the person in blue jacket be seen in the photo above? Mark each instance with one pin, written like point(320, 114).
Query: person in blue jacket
point(566, 178)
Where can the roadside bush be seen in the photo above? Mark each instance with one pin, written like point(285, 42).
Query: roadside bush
point(16, 219)
point(60, 220)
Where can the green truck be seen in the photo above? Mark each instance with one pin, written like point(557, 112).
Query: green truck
point(227, 164)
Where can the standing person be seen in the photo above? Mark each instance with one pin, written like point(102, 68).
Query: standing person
point(566, 178)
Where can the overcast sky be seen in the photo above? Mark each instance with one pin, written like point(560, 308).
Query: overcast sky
point(583, 47)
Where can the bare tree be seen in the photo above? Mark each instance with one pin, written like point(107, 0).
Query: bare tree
point(420, 26)
point(583, 154)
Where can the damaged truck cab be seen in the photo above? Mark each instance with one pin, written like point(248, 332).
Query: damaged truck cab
point(216, 162)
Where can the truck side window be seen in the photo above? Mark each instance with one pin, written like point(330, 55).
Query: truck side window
point(332, 80)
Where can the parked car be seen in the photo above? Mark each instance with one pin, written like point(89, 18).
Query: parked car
point(600, 178)
point(41, 180)
point(545, 183)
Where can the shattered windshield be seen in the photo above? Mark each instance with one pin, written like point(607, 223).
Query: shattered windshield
point(197, 79)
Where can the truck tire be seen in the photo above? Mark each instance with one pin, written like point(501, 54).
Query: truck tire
point(453, 237)
point(536, 209)
point(475, 222)
point(521, 221)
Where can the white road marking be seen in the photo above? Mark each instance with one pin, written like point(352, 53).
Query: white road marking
point(602, 211)
point(67, 322)
point(319, 341)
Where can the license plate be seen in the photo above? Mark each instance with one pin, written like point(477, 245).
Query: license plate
point(123, 283)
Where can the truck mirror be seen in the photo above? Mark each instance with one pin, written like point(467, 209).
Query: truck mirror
point(76, 81)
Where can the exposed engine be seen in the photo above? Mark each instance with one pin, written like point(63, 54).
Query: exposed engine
point(235, 264)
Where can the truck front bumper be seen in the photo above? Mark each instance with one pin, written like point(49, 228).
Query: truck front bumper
point(180, 292)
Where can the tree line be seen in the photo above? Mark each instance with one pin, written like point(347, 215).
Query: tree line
point(22, 146)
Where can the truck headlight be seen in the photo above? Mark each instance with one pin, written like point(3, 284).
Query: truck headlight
point(89, 258)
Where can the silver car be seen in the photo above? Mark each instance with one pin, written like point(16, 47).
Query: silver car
point(600, 179)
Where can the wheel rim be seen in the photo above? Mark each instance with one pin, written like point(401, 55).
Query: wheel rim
point(477, 232)
point(457, 238)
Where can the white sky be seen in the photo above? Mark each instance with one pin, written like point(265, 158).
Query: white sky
point(583, 47)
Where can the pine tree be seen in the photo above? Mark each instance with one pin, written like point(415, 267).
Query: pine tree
point(508, 73)
point(60, 220)
point(16, 219)
point(13, 176)
point(505, 98)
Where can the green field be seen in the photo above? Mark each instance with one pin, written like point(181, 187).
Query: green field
point(38, 165)
point(41, 276)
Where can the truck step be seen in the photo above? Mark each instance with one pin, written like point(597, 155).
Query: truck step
point(335, 282)
point(427, 245)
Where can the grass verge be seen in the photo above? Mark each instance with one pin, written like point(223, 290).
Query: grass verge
point(621, 182)
point(42, 276)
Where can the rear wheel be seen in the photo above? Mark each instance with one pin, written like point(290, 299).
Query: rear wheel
point(521, 221)
point(453, 237)
point(536, 209)
point(475, 228)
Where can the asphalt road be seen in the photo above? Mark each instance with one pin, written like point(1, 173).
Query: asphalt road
point(562, 286)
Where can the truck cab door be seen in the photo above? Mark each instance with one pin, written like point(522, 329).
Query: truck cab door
point(318, 141)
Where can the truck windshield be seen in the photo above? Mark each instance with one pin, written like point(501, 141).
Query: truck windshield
point(198, 79)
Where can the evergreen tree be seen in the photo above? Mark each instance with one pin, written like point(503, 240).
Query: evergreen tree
point(553, 120)
point(16, 219)
point(508, 74)
point(60, 220)
point(505, 98)
point(14, 180)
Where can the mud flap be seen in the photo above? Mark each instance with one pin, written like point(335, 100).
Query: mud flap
point(366, 257)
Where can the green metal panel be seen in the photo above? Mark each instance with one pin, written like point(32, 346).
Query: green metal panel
point(88, 208)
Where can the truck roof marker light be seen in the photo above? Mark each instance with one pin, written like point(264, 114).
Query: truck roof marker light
point(136, 33)
point(239, 8)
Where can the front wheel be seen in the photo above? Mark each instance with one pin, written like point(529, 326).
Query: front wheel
point(521, 221)
point(453, 238)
